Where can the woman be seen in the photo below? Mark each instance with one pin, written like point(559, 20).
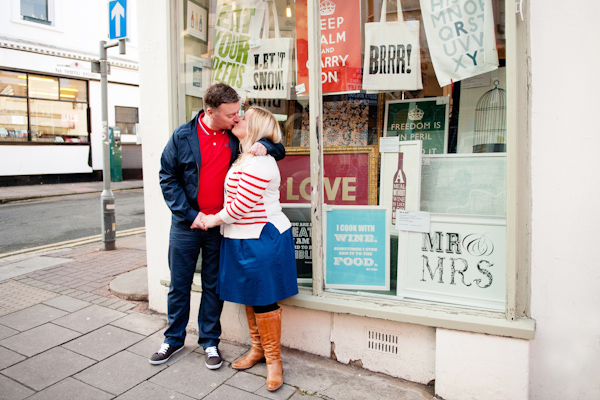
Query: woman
point(257, 264)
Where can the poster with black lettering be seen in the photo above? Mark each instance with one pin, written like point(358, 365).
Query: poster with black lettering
point(419, 119)
point(237, 29)
point(392, 54)
point(299, 216)
point(461, 260)
point(461, 38)
point(356, 248)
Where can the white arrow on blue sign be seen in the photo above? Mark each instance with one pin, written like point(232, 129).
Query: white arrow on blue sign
point(117, 19)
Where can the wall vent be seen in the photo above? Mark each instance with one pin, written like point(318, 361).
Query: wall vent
point(382, 342)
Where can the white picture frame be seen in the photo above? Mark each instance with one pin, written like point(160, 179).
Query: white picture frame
point(197, 76)
point(200, 14)
point(412, 152)
point(472, 253)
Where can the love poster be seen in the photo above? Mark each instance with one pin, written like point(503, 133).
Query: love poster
point(341, 67)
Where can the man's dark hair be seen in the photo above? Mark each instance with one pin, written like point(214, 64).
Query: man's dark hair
point(218, 94)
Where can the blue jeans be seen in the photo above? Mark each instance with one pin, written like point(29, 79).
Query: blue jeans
point(184, 249)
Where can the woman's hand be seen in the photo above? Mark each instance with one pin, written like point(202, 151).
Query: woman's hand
point(210, 221)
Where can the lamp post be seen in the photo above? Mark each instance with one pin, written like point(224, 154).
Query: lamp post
point(107, 199)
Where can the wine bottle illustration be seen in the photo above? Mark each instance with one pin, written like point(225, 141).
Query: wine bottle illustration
point(192, 25)
point(399, 189)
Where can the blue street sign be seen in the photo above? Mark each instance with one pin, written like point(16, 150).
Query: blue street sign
point(117, 19)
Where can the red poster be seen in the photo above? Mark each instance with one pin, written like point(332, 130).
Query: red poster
point(346, 179)
point(341, 67)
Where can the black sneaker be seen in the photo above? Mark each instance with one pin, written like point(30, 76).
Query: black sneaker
point(163, 355)
point(213, 358)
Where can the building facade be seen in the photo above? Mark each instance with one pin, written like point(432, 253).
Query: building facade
point(50, 112)
point(432, 242)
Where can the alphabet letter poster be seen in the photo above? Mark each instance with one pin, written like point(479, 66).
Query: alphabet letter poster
point(461, 38)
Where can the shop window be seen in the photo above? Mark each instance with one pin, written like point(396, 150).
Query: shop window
point(38, 108)
point(35, 11)
point(126, 118)
point(435, 151)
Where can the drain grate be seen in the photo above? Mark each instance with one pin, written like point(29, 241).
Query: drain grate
point(382, 342)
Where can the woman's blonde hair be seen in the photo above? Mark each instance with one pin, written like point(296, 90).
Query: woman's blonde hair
point(261, 124)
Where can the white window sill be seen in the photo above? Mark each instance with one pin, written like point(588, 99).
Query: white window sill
point(411, 312)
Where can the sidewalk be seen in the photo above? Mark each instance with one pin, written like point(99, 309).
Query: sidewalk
point(17, 193)
point(64, 335)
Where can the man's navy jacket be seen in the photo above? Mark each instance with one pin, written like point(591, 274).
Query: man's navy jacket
point(180, 169)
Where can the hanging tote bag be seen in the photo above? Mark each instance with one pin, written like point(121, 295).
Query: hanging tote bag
point(392, 54)
point(461, 37)
point(269, 71)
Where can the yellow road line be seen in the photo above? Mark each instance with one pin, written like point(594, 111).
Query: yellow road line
point(71, 243)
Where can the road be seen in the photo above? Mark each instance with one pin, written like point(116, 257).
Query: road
point(33, 223)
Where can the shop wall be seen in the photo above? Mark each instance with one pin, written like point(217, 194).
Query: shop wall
point(34, 160)
point(565, 280)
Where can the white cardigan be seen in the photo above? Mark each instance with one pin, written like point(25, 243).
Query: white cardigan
point(252, 199)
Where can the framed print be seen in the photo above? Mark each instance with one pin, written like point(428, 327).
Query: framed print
point(464, 184)
point(461, 260)
point(299, 216)
point(197, 76)
point(419, 119)
point(400, 187)
point(197, 21)
point(345, 123)
point(350, 175)
point(356, 248)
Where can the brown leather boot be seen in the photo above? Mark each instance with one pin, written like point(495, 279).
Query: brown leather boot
point(269, 326)
point(256, 353)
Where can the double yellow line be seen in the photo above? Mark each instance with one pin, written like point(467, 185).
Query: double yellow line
point(71, 243)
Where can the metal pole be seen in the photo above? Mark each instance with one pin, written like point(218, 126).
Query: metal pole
point(107, 198)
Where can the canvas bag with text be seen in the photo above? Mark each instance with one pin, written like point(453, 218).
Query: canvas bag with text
point(269, 70)
point(237, 29)
point(461, 38)
point(392, 54)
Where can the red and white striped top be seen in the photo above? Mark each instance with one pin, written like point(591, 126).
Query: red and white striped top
point(252, 199)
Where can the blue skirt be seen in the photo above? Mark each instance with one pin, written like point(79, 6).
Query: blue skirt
point(258, 272)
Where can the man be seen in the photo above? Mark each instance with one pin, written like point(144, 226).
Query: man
point(194, 164)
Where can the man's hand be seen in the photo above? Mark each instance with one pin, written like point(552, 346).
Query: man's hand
point(197, 224)
point(210, 221)
point(258, 149)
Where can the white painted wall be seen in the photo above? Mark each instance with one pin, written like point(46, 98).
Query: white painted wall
point(565, 279)
point(32, 160)
point(156, 126)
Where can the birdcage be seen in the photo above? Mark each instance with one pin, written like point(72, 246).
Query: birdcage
point(490, 122)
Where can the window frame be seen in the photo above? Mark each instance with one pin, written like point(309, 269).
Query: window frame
point(514, 321)
point(54, 16)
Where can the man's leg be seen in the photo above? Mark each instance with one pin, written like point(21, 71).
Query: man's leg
point(209, 326)
point(184, 248)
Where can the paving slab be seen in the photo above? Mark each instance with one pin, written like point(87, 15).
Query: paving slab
point(22, 267)
point(8, 358)
point(31, 317)
point(67, 303)
point(48, 368)
point(71, 389)
point(247, 382)
point(103, 343)
point(39, 339)
point(283, 393)
point(89, 319)
point(151, 344)
point(191, 377)
point(5, 332)
point(140, 323)
point(12, 390)
point(15, 296)
point(229, 392)
point(151, 391)
point(119, 373)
